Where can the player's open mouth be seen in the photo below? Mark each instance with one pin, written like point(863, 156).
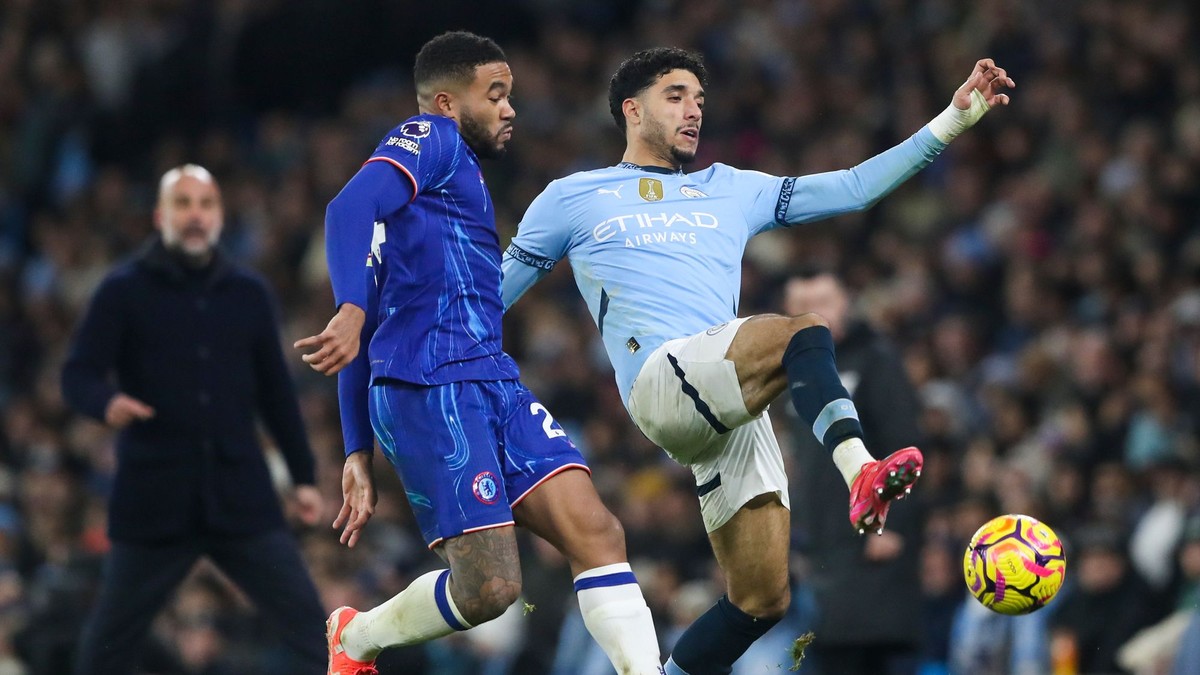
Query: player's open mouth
point(691, 133)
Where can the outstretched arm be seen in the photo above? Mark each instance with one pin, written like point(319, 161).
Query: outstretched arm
point(829, 194)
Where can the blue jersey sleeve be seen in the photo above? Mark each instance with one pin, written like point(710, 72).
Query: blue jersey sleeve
point(374, 193)
point(354, 380)
point(824, 195)
point(425, 149)
point(543, 238)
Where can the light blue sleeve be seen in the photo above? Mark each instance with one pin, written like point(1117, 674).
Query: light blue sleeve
point(517, 278)
point(758, 194)
point(543, 238)
point(824, 195)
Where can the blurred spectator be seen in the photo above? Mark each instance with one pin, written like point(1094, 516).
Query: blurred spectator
point(1107, 602)
point(1158, 532)
point(1187, 660)
point(986, 643)
point(191, 343)
point(866, 587)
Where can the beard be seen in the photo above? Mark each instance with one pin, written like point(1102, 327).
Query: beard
point(664, 148)
point(192, 250)
point(485, 145)
point(682, 157)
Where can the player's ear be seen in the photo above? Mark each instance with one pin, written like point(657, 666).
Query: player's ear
point(632, 110)
point(444, 104)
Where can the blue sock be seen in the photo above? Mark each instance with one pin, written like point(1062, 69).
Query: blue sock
point(715, 640)
point(817, 391)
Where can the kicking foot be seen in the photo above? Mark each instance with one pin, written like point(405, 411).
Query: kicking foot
point(880, 482)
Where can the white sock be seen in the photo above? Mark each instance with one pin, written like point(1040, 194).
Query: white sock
point(411, 617)
point(616, 615)
point(849, 456)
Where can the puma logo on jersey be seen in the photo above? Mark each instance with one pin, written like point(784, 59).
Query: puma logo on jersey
point(616, 193)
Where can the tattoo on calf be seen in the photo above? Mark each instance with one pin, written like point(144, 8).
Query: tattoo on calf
point(485, 572)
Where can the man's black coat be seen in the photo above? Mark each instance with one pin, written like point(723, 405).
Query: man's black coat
point(202, 348)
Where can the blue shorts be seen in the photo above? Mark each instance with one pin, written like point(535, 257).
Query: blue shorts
point(468, 452)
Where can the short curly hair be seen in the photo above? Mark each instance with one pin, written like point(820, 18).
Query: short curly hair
point(643, 68)
point(453, 57)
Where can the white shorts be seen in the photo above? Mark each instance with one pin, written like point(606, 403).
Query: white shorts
point(688, 401)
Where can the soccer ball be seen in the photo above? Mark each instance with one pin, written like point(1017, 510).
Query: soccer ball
point(1014, 564)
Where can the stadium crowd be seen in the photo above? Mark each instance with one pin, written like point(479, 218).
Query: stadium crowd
point(1041, 279)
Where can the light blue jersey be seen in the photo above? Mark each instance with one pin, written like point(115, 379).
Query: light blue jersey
point(657, 255)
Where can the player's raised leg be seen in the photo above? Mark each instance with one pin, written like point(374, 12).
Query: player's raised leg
point(771, 353)
point(752, 550)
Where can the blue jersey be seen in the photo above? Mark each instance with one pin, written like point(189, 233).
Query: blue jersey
point(657, 254)
point(437, 264)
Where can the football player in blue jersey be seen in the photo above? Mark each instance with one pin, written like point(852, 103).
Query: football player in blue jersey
point(656, 254)
point(476, 451)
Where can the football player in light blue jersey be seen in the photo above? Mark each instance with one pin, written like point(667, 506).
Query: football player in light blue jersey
point(656, 253)
point(476, 451)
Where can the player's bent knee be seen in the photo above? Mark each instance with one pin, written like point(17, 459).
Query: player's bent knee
point(764, 603)
point(608, 529)
point(598, 532)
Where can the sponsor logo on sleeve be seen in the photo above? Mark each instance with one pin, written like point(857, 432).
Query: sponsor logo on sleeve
point(417, 129)
point(404, 144)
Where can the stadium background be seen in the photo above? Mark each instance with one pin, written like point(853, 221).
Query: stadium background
point(1042, 277)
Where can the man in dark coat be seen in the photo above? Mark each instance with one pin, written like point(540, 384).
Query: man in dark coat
point(867, 588)
point(179, 350)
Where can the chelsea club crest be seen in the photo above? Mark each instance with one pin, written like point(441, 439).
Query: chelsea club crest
point(485, 487)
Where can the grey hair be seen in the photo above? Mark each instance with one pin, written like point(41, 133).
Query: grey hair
point(172, 177)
